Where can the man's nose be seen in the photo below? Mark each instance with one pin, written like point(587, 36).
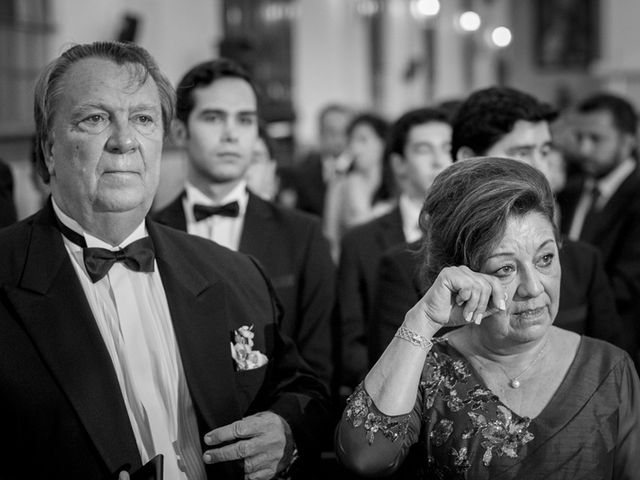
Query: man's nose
point(230, 131)
point(585, 145)
point(538, 160)
point(122, 139)
point(442, 158)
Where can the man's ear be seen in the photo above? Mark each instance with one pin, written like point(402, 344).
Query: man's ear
point(47, 154)
point(629, 144)
point(179, 133)
point(465, 152)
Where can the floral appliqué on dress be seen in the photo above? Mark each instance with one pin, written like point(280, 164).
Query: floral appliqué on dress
point(446, 380)
point(359, 411)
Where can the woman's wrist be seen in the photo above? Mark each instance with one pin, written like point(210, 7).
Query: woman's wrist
point(417, 321)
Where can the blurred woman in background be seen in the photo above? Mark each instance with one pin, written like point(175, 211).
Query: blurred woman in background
point(365, 191)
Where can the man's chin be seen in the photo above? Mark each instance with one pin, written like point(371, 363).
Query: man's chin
point(122, 203)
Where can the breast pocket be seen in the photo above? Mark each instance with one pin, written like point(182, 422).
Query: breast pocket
point(249, 382)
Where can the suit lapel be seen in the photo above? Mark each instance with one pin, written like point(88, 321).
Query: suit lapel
point(173, 214)
point(615, 208)
point(255, 229)
point(53, 308)
point(390, 232)
point(200, 321)
point(567, 201)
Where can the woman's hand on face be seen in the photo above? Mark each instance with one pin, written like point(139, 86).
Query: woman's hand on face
point(459, 296)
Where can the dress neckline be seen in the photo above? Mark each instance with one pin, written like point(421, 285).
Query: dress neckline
point(548, 413)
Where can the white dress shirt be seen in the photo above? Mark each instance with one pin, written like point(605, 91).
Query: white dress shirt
point(223, 230)
point(607, 185)
point(132, 314)
point(410, 214)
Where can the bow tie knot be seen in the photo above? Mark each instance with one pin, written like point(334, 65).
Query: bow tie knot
point(200, 212)
point(137, 256)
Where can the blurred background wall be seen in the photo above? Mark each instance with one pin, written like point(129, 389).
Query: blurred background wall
point(384, 55)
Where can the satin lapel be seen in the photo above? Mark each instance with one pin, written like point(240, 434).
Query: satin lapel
point(173, 214)
point(256, 228)
point(200, 320)
point(53, 308)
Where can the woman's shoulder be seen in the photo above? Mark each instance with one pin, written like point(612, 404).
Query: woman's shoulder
point(596, 360)
point(600, 351)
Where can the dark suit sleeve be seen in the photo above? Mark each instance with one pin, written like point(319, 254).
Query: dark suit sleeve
point(317, 299)
point(396, 294)
point(623, 268)
point(292, 390)
point(603, 320)
point(7, 206)
point(351, 298)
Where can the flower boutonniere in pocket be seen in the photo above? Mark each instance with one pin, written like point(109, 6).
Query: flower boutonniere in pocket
point(242, 350)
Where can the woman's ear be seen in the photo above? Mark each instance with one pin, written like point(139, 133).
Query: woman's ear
point(465, 152)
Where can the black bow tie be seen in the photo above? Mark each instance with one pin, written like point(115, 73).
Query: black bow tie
point(137, 256)
point(200, 212)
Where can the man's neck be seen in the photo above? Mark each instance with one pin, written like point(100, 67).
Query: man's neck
point(216, 192)
point(110, 227)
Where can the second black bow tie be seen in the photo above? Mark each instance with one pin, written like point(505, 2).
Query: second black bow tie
point(200, 212)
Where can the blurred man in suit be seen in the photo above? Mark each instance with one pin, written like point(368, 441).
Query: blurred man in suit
point(304, 184)
point(501, 121)
point(123, 339)
point(217, 125)
point(602, 207)
point(7, 206)
point(417, 150)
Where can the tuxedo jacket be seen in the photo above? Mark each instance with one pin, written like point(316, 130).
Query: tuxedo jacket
point(617, 236)
point(7, 206)
point(296, 257)
point(361, 249)
point(62, 411)
point(587, 304)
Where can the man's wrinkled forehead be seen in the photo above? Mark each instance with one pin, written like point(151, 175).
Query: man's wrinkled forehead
point(136, 75)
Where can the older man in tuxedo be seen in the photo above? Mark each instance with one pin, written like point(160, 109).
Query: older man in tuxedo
point(123, 339)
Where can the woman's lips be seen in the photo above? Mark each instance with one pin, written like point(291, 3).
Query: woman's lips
point(529, 313)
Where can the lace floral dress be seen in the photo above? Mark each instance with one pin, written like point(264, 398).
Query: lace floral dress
point(459, 429)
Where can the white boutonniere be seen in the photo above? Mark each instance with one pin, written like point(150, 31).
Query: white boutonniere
point(242, 350)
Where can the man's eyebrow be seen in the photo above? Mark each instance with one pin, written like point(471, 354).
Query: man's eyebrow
point(528, 146)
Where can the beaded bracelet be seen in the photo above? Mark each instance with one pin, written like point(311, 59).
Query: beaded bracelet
point(414, 338)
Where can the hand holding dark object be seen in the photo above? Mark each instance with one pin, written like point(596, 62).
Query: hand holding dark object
point(263, 441)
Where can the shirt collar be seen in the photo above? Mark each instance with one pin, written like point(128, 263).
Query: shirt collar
point(410, 214)
point(94, 242)
point(612, 181)
point(238, 194)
